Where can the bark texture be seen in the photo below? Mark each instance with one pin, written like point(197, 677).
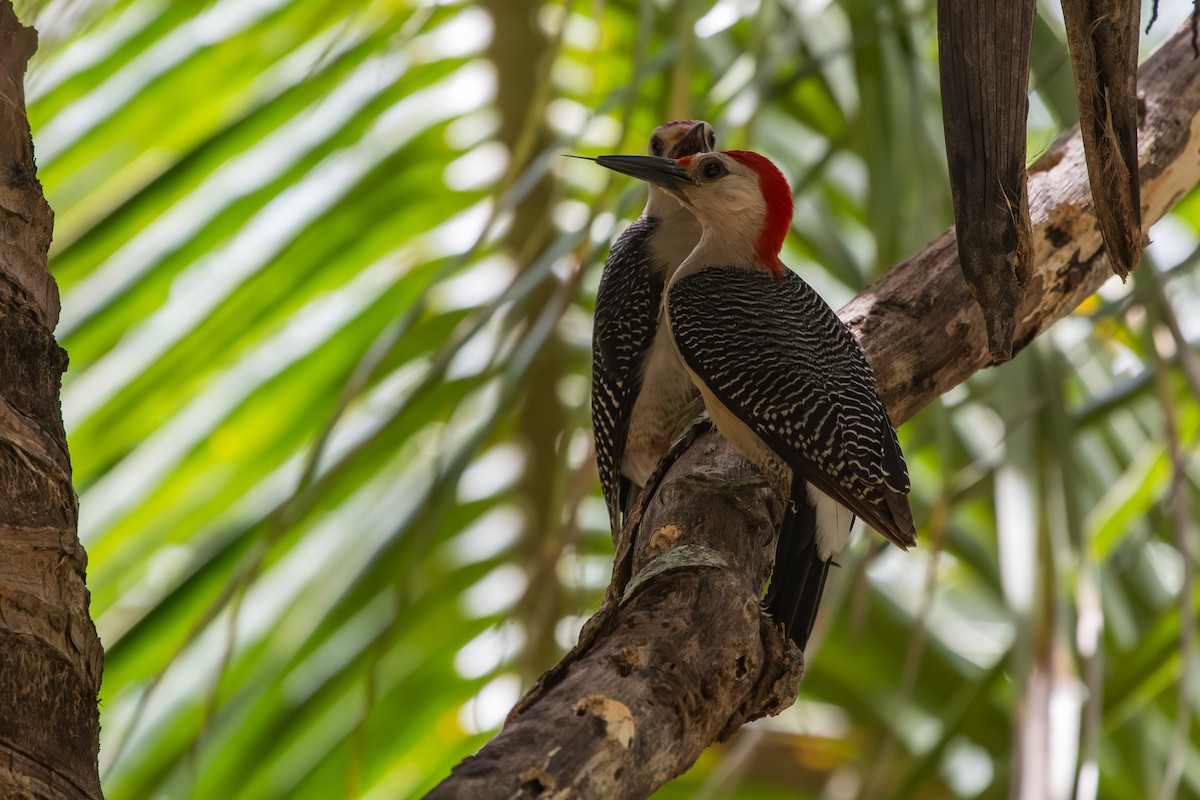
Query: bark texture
point(679, 655)
point(50, 656)
point(680, 658)
point(983, 55)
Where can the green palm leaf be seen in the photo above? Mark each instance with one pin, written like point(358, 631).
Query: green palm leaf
point(327, 290)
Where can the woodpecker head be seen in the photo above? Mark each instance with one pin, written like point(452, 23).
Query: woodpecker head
point(677, 139)
point(682, 137)
point(737, 194)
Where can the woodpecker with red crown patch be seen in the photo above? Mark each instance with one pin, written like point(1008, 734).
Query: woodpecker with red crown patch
point(781, 375)
point(641, 394)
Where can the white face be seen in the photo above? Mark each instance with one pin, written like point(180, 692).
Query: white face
point(721, 186)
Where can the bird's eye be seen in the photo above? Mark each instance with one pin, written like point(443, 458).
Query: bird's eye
point(712, 139)
point(712, 170)
point(656, 146)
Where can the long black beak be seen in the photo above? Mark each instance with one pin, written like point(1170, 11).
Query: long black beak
point(653, 169)
point(698, 139)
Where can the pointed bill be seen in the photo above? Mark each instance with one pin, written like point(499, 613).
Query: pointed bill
point(664, 172)
point(696, 140)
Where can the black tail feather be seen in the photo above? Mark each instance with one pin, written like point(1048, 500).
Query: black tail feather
point(798, 578)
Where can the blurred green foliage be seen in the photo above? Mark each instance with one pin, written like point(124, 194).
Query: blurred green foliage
point(327, 288)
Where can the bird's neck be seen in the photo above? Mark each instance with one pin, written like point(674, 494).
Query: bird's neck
point(662, 206)
point(677, 232)
point(729, 246)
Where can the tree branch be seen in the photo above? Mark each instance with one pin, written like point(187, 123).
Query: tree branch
point(679, 655)
point(683, 659)
point(918, 326)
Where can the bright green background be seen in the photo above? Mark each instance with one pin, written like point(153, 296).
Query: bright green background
point(327, 289)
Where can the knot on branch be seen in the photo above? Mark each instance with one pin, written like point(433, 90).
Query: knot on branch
point(687, 556)
point(615, 720)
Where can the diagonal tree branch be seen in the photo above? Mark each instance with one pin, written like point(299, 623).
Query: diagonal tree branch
point(680, 656)
point(918, 326)
point(683, 659)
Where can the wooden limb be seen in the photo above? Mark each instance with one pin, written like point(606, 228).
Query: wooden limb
point(1102, 36)
point(685, 656)
point(918, 326)
point(983, 56)
point(622, 571)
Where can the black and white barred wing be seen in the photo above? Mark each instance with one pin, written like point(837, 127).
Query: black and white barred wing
point(777, 356)
point(627, 304)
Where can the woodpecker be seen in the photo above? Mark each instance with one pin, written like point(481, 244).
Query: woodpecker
point(641, 394)
point(780, 374)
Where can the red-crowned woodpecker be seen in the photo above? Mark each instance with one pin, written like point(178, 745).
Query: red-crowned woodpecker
point(640, 392)
point(781, 376)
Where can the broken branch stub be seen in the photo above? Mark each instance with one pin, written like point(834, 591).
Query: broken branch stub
point(984, 65)
point(1102, 36)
